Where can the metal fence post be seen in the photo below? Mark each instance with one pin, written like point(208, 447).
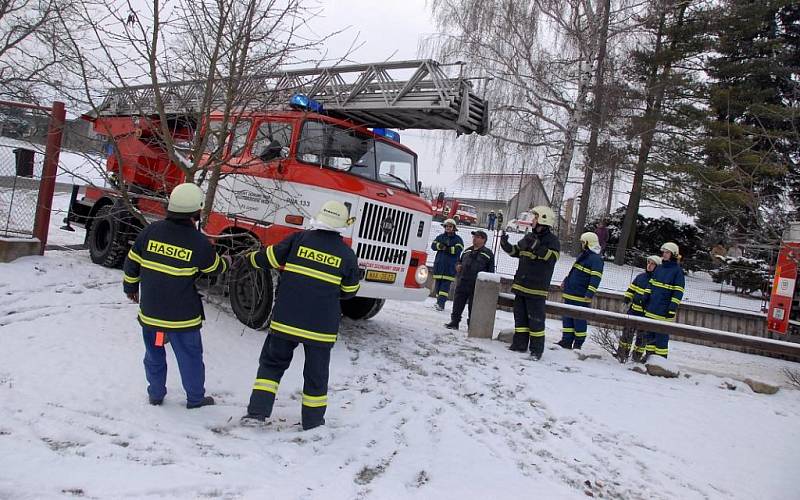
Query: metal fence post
point(47, 185)
point(484, 306)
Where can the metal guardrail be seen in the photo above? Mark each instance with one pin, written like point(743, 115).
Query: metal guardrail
point(487, 299)
point(722, 338)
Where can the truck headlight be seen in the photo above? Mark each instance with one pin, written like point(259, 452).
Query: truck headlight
point(421, 275)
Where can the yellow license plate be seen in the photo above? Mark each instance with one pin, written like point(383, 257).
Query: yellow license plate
point(381, 276)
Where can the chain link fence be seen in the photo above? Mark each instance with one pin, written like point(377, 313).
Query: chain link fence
point(743, 287)
point(25, 191)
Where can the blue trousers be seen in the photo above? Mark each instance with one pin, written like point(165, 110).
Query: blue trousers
point(442, 290)
point(657, 343)
point(573, 330)
point(276, 356)
point(188, 348)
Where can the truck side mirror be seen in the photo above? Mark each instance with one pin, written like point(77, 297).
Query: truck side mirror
point(419, 186)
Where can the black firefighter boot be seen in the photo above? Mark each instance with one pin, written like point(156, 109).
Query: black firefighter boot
point(206, 401)
point(453, 325)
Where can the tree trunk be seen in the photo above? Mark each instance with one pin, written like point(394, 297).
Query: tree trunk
point(596, 123)
point(568, 151)
point(656, 87)
point(610, 197)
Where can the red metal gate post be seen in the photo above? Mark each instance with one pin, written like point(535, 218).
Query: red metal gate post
point(47, 185)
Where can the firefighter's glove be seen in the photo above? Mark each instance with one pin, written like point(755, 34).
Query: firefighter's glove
point(133, 297)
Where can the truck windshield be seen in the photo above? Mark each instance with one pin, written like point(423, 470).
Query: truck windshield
point(348, 151)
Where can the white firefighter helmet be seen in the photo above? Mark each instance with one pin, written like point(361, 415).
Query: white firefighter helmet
point(546, 215)
point(655, 259)
point(590, 239)
point(186, 198)
point(334, 214)
point(671, 248)
point(449, 222)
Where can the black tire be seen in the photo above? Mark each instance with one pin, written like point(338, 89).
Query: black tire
point(251, 294)
point(108, 237)
point(361, 307)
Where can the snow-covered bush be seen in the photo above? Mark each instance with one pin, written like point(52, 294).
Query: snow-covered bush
point(744, 275)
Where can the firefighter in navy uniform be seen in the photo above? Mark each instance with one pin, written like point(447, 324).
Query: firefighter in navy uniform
point(579, 287)
point(634, 297)
point(663, 295)
point(448, 247)
point(319, 270)
point(473, 260)
point(160, 273)
point(537, 252)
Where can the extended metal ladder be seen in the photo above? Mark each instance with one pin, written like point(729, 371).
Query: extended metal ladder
point(404, 95)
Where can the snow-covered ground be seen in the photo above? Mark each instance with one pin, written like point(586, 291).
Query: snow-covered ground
point(700, 289)
point(416, 411)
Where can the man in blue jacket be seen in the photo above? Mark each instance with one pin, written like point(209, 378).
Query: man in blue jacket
point(579, 288)
point(635, 298)
point(537, 252)
point(318, 270)
point(159, 274)
point(448, 247)
point(663, 295)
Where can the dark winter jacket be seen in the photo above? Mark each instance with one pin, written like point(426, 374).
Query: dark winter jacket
point(319, 269)
point(448, 249)
point(474, 261)
point(635, 294)
point(581, 283)
point(162, 266)
point(537, 254)
point(664, 291)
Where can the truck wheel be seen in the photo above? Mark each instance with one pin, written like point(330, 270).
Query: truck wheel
point(251, 294)
point(361, 307)
point(108, 237)
point(510, 229)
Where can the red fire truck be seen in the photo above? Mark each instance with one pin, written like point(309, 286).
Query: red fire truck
point(326, 141)
point(783, 316)
point(451, 208)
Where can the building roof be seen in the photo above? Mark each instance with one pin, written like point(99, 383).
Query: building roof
point(489, 187)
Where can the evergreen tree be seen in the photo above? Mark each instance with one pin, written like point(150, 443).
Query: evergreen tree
point(747, 181)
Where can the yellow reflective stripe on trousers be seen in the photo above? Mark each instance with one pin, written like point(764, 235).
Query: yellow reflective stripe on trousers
point(443, 277)
point(161, 268)
point(443, 293)
point(306, 334)
point(313, 273)
point(531, 291)
point(265, 384)
point(650, 315)
point(662, 352)
point(147, 320)
point(676, 300)
point(521, 329)
point(568, 330)
point(540, 333)
point(130, 279)
point(580, 334)
point(351, 288)
point(212, 267)
point(315, 401)
point(271, 257)
point(576, 298)
point(253, 261)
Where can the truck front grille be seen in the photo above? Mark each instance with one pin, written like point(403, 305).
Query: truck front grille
point(380, 253)
point(384, 224)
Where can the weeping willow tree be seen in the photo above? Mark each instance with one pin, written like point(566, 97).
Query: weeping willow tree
point(538, 55)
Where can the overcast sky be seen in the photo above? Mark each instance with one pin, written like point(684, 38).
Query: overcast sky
point(389, 30)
